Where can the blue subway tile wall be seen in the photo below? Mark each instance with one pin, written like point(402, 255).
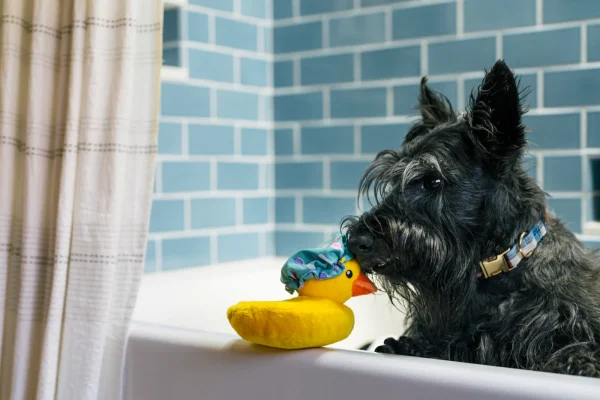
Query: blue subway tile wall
point(461, 55)
point(197, 26)
point(327, 140)
point(211, 65)
point(169, 141)
point(535, 49)
point(428, 20)
point(328, 69)
point(288, 101)
point(570, 10)
point(484, 15)
point(213, 197)
point(357, 103)
point(391, 63)
point(355, 30)
point(206, 139)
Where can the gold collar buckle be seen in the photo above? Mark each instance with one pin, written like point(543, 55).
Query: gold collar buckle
point(494, 265)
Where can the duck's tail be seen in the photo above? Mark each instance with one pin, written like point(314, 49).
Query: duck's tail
point(298, 323)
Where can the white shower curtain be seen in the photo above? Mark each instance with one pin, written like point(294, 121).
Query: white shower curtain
point(79, 99)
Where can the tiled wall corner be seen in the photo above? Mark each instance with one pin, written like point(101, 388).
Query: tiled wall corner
point(213, 200)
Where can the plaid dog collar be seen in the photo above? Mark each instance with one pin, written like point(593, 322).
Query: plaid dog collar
point(509, 260)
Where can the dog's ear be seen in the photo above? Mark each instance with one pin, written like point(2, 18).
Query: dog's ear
point(435, 108)
point(495, 113)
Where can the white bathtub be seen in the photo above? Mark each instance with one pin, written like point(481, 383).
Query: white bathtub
point(181, 347)
point(198, 298)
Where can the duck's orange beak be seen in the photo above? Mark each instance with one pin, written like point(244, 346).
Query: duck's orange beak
point(362, 285)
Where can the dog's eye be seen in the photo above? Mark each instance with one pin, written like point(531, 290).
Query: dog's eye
point(349, 274)
point(432, 182)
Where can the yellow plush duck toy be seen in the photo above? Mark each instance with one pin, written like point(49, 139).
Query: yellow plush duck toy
point(325, 278)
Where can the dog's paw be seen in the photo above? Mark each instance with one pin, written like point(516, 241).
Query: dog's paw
point(404, 346)
point(384, 349)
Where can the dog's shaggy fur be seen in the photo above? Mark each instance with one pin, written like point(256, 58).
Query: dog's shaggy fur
point(456, 194)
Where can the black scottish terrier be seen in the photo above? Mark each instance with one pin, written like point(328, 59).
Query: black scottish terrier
point(448, 206)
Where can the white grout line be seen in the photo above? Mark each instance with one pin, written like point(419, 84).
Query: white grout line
point(325, 33)
point(216, 121)
point(213, 174)
point(307, 227)
point(213, 231)
point(356, 4)
point(237, 140)
point(584, 210)
point(183, 50)
point(187, 214)
point(326, 175)
point(212, 102)
point(357, 67)
point(317, 192)
point(499, 44)
point(295, 10)
point(389, 25)
point(298, 210)
point(214, 194)
point(460, 18)
point(353, 11)
point(588, 237)
point(586, 188)
point(297, 140)
point(540, 89)
point(424, 58)
point(227, 14)
point(237, 7)
point(158, 255)
point(296, 72)
point(539, 12)
point(390, 101)
point(584, 43)
point(565, 195)
point(214, 249)
point(357, 139)
point(460, 95)
point(221, 49)
point(326, 104)
point(212, 29)
point(584, 132)
point(540, 170)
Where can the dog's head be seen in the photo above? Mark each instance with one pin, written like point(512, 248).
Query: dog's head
point(455, 193)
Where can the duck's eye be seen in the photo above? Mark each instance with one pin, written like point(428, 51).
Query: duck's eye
point(432, 183)
point(349, 274)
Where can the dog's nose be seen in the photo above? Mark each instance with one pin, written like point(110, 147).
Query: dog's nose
point(361, 245)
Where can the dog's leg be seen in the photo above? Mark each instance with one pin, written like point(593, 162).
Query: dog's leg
point(580, 362)
point(406, 346)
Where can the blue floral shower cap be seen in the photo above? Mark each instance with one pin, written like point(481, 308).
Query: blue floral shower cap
point(324, 262)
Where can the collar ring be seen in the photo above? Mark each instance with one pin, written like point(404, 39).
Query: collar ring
point(523, 254)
